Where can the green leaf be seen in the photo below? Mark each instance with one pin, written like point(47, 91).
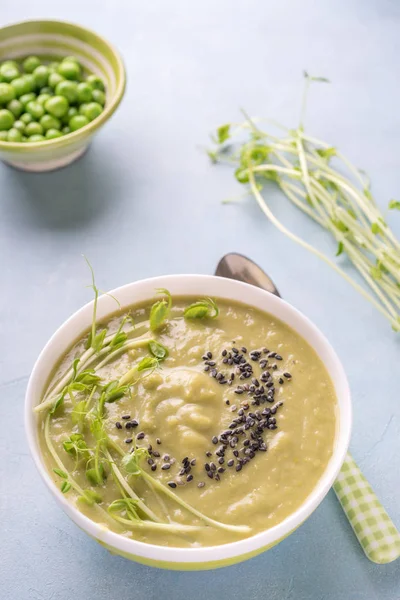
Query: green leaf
point(158, 350)
point(128, 506)
point(242, 175)
point(394, 205)
point(160, 310)
point(96, 477)
point(98, 341)
point(223, 133)
point(59, 401)
point(90, 497)
point(97, 429)
point(75, 368)
point(367, 194)
point(352, 213)
point(113, 391)
point(206, 308)
point(88, 377)
point(340, 249)
point(60, 473)
point(375, 229)
point(131, 461)
point(376, 273)
point(79, 413)
point(148, 362)
point(65, 487)
point(213, 155)
point(76, 446)
point(340, 225)
point(326, 153)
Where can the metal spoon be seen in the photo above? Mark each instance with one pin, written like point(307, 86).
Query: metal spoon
point(373, 527)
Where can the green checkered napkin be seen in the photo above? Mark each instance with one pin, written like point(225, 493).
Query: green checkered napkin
point(373, 527)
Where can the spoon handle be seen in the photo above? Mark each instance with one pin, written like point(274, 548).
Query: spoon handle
point(373, 527)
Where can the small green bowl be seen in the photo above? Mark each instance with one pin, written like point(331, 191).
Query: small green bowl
point(59, 39)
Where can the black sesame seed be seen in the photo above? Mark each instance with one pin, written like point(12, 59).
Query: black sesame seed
point(235, 351)
point(244, 349)
point(213, 466)
point(213, 373)
point(217, 477)
point(153, 467)
point(278, 357)
point(166, 466)
point(211, 363)
point(207, 467)
point(210, 474)
point(287, 375)
point(209, 355)
point(150, 461)
point(224, 352)
point(235, 453)
point(225, 361)
point(239, 467)
point(158, 441)
point(265, 350)
point(221, 460)
point(172, 484)
point(214, 440)
point(140, 435)
point(128, 441)
point(118, 425)
point(281, 380)
point(126, 417)
point(189, 478)
point(193, 462)
point(207, 368)
point(221, 470)
point(156, 454)
point(230, 462)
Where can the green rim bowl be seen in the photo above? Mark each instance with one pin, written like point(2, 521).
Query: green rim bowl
point(59, 39)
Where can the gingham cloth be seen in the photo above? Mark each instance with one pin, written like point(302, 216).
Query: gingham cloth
point(373, 527)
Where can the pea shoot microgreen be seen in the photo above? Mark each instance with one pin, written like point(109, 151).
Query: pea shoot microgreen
point(205, 308)
point(160, 310)
point(324, 184)
point(158, 350)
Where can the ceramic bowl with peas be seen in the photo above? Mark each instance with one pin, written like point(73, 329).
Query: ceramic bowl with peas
point(59, 83)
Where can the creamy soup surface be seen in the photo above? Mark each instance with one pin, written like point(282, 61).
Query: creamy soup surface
point(156, 433)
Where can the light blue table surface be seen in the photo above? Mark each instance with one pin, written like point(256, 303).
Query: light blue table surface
point(145, 201)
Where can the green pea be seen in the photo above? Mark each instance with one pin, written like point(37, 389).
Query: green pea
point(34, 128)
point(65, 130)
point(3, 136)
point(71, 59)
point(35, 109)
point(84, 92)
point(57, 106)
point(42, 98)
point(7, 93)
point(8, 72)
point(41, 76)
point(15, 106)
point(51, 134)
point(26, 118)
point(99, 97)
point(11, 63)
point(30, 79)
point(68, 89)
point(6, 119)
point(47, 90)
point(53, 66)
point(14, 135)
point(49, 122)
point(26, 98)
point(24, 138)
point(69, 70)
point(95, 82)
point(31, 63)
point(71, 113)
point(92, 110)
point(83, 108)
point(21, 86)
point(36, 138)
point(54, 79)
point(77, 122)
point(20, 125)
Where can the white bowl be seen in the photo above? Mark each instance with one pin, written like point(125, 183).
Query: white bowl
point(197, 285)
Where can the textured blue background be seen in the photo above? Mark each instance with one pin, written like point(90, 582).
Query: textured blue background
point(144, 201)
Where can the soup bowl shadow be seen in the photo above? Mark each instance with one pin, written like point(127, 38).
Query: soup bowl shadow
point(191, 285)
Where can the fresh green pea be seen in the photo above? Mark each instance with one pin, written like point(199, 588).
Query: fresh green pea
point(14, 135)
point(30, 81)
point(16, 107)
point(51, 134)
point(41, 76)
point(54, 79)
point(57, 106)
point(47, 90)
point(92, 110)
point(77, 122)
point(84, 92)
point(71, 113)
point(34, 128)
point(31, 63)
point(24, 138)
point(99, 97)
point(8, 72)
point(26, 98)
point(35, 109)
point(6, 119)
point(21, 86)
point(42, 98)
point(53, 66)
point(7, 93)
point(71, 59)
point(65, 130)
point(69, 70)
point(95, 82)
point(26, 118)
point(3, 136)
point(36, 138)
point(68, 89)
point(83, 108)
point(11, 63)
point(49, 122)
point(20, 125)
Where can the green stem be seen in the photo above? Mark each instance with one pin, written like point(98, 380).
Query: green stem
point(162, 527)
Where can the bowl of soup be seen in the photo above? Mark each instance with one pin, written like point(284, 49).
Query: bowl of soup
point(188, 421)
